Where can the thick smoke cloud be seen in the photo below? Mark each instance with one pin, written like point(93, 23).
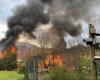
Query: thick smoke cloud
point(64, 15)
point(28, 16)
point(50, 37)
point(25, 19)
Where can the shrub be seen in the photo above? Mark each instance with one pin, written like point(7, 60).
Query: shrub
point(61, 74)
point(85, 68)
point(8, 62)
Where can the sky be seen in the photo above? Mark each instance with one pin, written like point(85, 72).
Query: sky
point(6, 8)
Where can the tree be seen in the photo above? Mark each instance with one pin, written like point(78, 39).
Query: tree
point(9, 61)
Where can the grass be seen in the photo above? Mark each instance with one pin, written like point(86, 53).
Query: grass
point(10, 75)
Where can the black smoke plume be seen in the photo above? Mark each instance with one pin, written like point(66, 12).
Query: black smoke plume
point(24, 19)
point(64, 15)
point(46, 1)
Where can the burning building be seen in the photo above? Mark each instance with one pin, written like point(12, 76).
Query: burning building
point(64, 16)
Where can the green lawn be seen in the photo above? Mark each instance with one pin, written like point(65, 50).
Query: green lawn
point(10, 75)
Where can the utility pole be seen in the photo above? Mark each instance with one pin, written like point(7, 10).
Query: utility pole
point(92, 31)
point(93, 44)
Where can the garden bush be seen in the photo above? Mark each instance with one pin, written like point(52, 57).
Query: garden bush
point(8, 62)
point(61, 74)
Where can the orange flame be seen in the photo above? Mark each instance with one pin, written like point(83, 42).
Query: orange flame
point(2, 54)
point(51, 60)
point(13, 49)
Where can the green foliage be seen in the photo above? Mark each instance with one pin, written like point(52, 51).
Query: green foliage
point(22, 69)
point(25, 70)
point(85, 68)
point(98, 71)
point(8, 62)
point(61, 74)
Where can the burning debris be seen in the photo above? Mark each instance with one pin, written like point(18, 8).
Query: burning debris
point(62, 14)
